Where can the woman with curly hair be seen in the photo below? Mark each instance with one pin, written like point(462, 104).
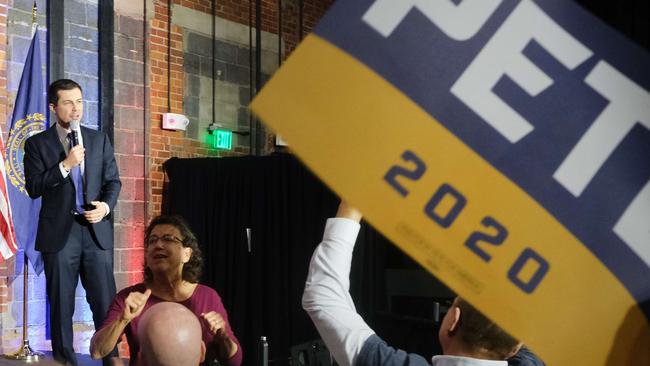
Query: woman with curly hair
point(172, 268)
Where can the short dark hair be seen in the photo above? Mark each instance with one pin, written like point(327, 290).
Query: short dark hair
point(61, 84)
point(481, 334)
point(193, 269)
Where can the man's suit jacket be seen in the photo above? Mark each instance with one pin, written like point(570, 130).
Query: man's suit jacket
point(43, 178)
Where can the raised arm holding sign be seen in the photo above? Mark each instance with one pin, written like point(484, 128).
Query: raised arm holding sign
point(467, 336)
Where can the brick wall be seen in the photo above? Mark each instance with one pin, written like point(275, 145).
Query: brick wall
point(130, 145)
point(193, 143)
point(313, 11)
point(165, 144)
point(81, 61)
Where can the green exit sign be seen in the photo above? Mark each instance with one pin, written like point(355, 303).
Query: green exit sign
point(222, 139)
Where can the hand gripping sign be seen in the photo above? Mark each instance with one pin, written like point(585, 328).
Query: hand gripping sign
point(503, 144)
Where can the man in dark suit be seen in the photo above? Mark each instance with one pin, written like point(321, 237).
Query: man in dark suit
point(79, 186)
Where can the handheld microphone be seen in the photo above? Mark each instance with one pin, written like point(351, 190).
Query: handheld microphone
point(74, 128)
point(74, 137)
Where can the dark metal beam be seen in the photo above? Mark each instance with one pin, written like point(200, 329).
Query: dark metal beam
point(214, 63)
point(258, 70)
point(106, 29)
point(279, 33)
point(251, 76)
point(301, 6)
point(55, 40)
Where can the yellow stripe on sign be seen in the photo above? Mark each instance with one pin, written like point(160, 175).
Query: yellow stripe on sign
point(338, 115)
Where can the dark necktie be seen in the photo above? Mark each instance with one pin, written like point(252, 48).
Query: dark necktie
point(75, 173)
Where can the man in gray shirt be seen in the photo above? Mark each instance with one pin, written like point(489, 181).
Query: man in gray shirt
point(467, 337)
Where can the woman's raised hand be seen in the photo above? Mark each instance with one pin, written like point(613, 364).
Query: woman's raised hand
point(216, 323)
point(134, 304)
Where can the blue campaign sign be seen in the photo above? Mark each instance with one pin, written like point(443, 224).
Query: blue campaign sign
point(520, 171)
point(549, 95)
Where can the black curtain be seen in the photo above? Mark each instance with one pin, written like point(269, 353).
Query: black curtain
point(285, 207)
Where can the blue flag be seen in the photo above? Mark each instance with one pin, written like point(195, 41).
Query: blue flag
point(28, 119)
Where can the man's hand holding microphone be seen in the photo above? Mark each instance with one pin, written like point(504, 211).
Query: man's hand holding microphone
point(77, 152)
point(96, 210)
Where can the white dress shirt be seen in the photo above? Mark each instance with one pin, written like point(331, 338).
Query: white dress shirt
point(327, 297)
point(464, 361)
point(328, 302)
point(63, 137)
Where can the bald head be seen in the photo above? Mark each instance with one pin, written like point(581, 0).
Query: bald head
point(170, 334)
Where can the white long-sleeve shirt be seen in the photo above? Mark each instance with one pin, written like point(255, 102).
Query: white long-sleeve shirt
point(328, 302)
point(327, 297)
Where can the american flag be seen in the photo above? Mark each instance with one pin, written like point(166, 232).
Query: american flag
point(8, 245)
